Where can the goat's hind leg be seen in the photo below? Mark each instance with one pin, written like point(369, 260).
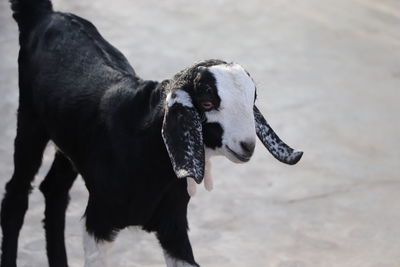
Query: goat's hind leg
point(55, 188)
point(29, 145)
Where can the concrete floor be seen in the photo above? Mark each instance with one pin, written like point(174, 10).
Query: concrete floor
point(328, 75)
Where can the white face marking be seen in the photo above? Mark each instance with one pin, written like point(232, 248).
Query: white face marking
point(179, 96)
point(95, 252)
point(236, 91)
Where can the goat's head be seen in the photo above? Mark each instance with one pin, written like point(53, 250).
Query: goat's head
point(210, 107)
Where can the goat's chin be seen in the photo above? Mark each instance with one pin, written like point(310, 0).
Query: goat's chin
point(235, 158)
point(224, 152)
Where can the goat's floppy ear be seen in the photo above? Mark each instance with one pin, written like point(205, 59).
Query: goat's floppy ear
point(273, 143)
point(182, 134)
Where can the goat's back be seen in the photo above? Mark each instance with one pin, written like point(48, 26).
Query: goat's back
point(66, 68)
point(66, 52)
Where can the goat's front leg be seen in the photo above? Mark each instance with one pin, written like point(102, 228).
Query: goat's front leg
point(177, 249)
point(95, 250)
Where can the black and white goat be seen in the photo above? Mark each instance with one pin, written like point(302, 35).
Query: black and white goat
point(132, 140)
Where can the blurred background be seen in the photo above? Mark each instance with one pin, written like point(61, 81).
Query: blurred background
point(328, 78)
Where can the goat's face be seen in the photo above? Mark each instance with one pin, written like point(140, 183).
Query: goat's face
point(211, 105)
point(225, 95)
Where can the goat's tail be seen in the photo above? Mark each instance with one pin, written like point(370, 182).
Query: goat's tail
point(28, 12)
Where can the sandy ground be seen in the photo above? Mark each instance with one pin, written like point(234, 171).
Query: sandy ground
point(328, 75)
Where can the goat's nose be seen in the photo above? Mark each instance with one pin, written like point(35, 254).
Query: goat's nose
point(248, 147)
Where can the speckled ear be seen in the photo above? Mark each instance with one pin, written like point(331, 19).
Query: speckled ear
point(182, 134)
point(273, 143)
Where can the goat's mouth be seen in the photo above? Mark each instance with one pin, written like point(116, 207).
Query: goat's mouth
point(241, 158)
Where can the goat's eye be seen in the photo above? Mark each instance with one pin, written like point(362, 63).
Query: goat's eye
point(207, 105)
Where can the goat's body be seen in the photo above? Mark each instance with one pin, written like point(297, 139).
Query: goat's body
point(110, 118)
point(130, 139)
point(81, 93)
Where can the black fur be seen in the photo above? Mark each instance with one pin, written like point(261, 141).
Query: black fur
point(212, 134)
point(205, 87)
point(28, 12)
point(81, 93)
point(55, 187)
